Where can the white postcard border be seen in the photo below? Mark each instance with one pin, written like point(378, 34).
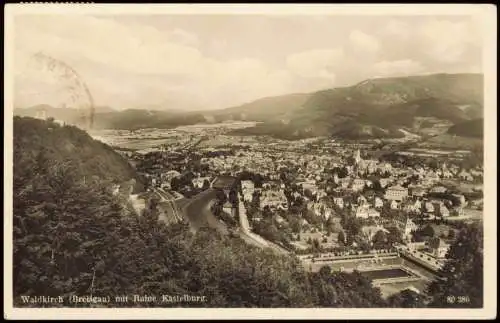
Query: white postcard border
point(486, 14)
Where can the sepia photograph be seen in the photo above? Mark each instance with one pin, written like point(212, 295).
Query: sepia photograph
point(250, 161)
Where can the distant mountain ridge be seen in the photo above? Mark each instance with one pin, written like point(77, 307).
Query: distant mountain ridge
point(275, 108)
point(108, 118)
point(378, 107)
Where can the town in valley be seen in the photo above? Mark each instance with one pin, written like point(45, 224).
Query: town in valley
point(388, 209)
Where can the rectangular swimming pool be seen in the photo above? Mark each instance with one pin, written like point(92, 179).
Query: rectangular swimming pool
point(385, 273)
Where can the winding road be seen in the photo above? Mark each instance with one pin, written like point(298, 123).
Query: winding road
point(198, 213)
point(169, 206)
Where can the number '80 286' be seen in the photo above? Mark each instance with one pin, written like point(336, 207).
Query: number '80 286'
point(457, 299)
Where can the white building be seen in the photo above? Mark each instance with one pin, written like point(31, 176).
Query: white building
point(373, 213)
point(429, 207)
point(358, 184)
point(439, 189)
point(459, 211)
point(394, 205)
point(365, 212)
point(384, 182)
point(198, 182)
point(439, 248)
point(464, 175)
point(362, 212)
point(409, 227)
point(247, 185)
point(396, 193)
point(378, 203)
point(339, 202)
point(227, 208)
point(443, 211)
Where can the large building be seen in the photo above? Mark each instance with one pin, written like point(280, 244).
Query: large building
point(226, 183)
point(409, 227)
point(396, 193)
point(438, 247)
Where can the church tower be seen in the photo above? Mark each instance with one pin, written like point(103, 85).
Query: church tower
point(409, 227)
point(357, 157)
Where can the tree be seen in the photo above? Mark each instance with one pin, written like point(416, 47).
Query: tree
point(266, 212)
point(406, 299)
point(330, 224)
point(352, 226)
point(316, 244)
point(462, 273)
point(258, 181)
point(325, 272)
point(428, 231)
point(308, 193)
point(151, 212)
point(221, 197)
point(295, 224)
point(233, 197)
point(394, 236)
point(256, 199)
point(175, 184)
point(341, 237)
point(379, 240)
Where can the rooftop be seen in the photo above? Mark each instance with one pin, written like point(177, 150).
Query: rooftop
point(225, 182)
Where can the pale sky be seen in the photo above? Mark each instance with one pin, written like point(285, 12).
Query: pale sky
point(207, 62)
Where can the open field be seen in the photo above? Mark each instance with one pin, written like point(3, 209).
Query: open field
point(451, 142)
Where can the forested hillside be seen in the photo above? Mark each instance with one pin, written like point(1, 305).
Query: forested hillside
point(374, 108)
point(35, 139)
point(472, 128)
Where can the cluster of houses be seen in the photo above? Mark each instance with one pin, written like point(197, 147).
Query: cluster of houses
point(411, 200)
point(431, 252)
point(399, 192)
point(406, 189)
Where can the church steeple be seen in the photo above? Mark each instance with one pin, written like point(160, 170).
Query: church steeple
point(357, 156)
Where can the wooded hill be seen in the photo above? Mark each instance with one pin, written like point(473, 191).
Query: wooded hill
point(36, 139)
point(472, 128)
